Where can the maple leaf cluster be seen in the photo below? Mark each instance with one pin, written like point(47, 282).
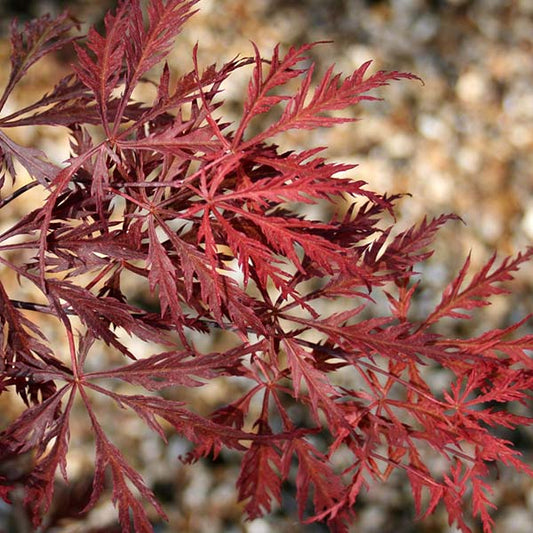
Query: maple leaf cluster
point(206, 215)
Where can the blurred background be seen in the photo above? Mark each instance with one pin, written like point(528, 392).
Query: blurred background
point(461, 143)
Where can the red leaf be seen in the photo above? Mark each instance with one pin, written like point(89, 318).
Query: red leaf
point(321, 393)
point(162, 275)
point(480, 288)
point(316, 477)
point(178, 368)
point(108, 455)
point(102, 69)
point(259, 479)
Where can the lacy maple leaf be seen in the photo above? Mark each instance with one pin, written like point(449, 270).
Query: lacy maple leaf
point(204, 216)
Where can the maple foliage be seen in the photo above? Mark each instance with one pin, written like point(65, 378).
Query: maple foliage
point(204, 214)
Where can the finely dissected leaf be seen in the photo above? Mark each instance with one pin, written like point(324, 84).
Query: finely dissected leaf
point(174, 141)
point(69, 102)
point(108, 455)
point(194, 264)
point(39, 38)
point(102, 67)
point(280, 72)
point(316, 476)
point(420, 480)
point(378, 336)
point(58, 187)
point(259, 480)
point(210, 436)
point(283, 234)
point(19, 336)
point(26, 362)
point(322, 394)
point(99, 313)
point(480, 502)
point(481, 287)
point(148, 46)
point(188, 87)
point(178, 368)
point(162, 275)
point(407, 248)
point(40, 484)
point(251, 252)
point(40, 427)
point(32, 159)
point(495, 342)
point(331, 94)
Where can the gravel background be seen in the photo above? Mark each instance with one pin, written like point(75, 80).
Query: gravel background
point(462, 143)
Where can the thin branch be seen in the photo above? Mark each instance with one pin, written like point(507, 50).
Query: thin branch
point(18, 192)
point(31, 306)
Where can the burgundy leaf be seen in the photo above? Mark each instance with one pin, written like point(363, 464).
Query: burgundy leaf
point(259, 480)
point(39, 38)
